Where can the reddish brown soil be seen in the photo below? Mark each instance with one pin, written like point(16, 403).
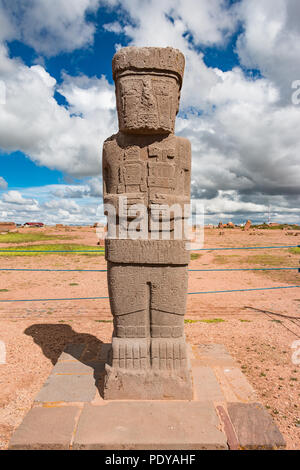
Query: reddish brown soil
point(258, 329)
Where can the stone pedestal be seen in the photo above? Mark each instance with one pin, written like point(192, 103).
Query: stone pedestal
point(143, 369)
point(70, 413)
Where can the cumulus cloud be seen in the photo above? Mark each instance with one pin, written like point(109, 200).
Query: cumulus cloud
point(271, 41)
point(49, 208)
point(3, 183)
point(114, 27)
point(14, 206)
point(92, 188)
point(63, 138)
point(88, 96)
point(15, 197)
point(63, 204)
point(243, 128)
point(245, 137)
point(214, 22)
point(48, 27)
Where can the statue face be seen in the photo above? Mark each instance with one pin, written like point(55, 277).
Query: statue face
point(147, 103)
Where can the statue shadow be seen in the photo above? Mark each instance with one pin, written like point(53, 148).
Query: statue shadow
point(56, 339)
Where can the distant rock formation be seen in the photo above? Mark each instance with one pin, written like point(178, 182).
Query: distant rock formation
point(247, 225)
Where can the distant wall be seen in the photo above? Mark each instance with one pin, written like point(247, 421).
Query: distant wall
point(7, 226)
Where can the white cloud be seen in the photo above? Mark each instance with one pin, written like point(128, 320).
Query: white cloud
point(18, 206)
point(208, 22)
point(3, 183)
point(14, 206)
point(15, 197)
point(271, 41)
point(243, 139)
point(244, 131)
point(92, 188)
point(63, 204)
point(114, 27)
point(87, 96)
point(48, 27)
point(224, 205)
point(67, 139)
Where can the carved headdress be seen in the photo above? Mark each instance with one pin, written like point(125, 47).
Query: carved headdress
point(152, 59)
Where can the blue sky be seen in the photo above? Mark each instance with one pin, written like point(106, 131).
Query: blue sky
point(58, 105)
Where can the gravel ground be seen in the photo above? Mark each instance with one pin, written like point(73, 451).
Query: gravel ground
point(258, 328)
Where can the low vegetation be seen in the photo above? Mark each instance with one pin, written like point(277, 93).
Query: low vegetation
point(195, 256)
point(209, 320)
point(39, 250)
point(16, 237)
point(277, 227)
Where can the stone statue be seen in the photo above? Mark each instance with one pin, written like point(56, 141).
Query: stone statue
point(146, 165)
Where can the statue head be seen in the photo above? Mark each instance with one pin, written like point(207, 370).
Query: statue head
point(148, 82)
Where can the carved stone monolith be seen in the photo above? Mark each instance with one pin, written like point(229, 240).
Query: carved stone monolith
point(146, 170)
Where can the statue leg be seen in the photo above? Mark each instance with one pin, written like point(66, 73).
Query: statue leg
point(148, 345)
point(129, 301)
point(168, 306)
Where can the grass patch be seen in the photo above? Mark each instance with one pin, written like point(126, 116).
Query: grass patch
point(295, 251)
point(74, 284)
point(195, 256)
point(266, 260)
point(17, 237)
point(4, 290)
point(223, 259)
point(210, 320)
point(259, 260)
point(42, 250)
point(213, 320)
point(245, 321)
point(104, 321)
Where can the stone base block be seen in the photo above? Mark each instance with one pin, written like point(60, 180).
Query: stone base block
point(223, 414)
point(121, 384)
point(149, 425)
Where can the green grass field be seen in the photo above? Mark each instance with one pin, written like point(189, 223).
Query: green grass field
point(44, 250)
point(277, 227)
point(16, 237)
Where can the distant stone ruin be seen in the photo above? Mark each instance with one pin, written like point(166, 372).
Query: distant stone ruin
point(247, 225)
point(7, 226)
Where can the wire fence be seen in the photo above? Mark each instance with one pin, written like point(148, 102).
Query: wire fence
point(105, 270)
point(189, 293)
point(197, 249)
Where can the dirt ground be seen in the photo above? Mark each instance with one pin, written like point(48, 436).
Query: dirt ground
point(258, 328)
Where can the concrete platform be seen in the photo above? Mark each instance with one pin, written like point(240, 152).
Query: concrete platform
point(70, 413)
